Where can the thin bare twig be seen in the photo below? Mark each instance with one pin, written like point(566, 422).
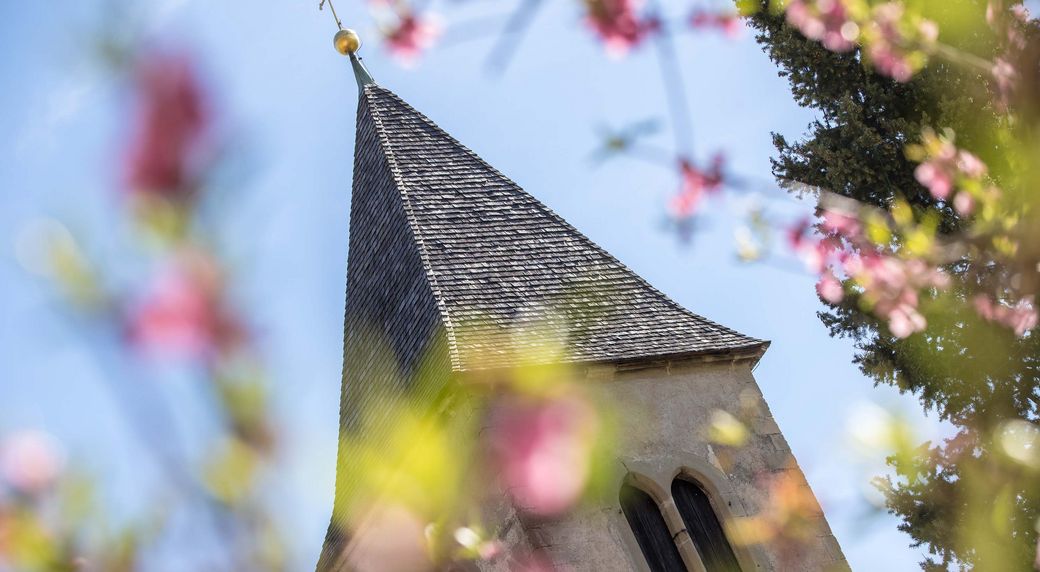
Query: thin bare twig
point(674, 86)
point(509, 39)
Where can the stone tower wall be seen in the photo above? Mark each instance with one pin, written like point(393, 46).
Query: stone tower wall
point(664, 413)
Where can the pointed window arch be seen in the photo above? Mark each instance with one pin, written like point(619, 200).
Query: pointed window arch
point(703, 526)
point(650, 530)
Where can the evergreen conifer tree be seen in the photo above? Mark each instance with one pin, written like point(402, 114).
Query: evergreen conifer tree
point(963, 499)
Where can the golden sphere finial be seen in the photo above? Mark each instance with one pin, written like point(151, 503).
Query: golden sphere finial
point(346, 41)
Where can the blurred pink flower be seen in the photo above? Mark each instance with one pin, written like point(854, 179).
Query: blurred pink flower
point(815, 253)
point(181, 315)
point(841, 223)
point(885, 48)
point(891, 285)
point(684, 205)
point(964, 203)
point(30, 461)
point(890, 49)
point(937, 179)
point(969, 165)
point(726, 22)
point(1004, 78)
point(618, 25)
point(812, 251)
point(824, 20)
point(797, 234)
point(890, 61)
point(412, 36)
point(1020, 317)
point(169, 127)
point(543, 450)
point(829, 288)
point(391, 538)
point(490, 550)
point(904, 320)
point(695, 183)
point(945, 166)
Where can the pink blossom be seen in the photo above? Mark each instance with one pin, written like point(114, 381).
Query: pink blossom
point(813, 252)
point(1004, 78)
point(490, 550)
point(30, 462)
point(993, 8)
point(796, 233)
point(889, 272)
point(1020, 317)
point(829, 288)
point(885, 281)
point(984, 307)
point(945, 166)
point(684, 205)
point(411, 37)
point(391, 537)
point(964, 203)
point(1023, 317)
point(824, 20)
point(928, 31)
point(904, 320)
point(695, 184)
point(969, 165)
point(885, 48)
point(841, 223)
point(810, 250)
point(181, 314)
point(891, 286)
point(618, 25)
point(935, 178)
point(890, 61)
point(543, 449)
point(726, 22)
point(889, 48)
point(169, 127)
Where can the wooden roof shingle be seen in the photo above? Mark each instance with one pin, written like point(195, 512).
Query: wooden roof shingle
point(499, 262)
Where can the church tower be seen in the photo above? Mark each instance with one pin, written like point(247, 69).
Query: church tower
point(448, 256)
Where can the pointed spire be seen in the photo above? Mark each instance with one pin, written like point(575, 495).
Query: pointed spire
point(348, 42)
point(494, 255)
point(360, 72)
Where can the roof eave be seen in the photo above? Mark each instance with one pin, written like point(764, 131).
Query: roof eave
point(751, 352)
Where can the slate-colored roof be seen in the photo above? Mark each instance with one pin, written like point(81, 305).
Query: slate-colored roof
point(498, 261)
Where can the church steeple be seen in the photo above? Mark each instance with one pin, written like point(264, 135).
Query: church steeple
point(451, 263)
point(491, 253)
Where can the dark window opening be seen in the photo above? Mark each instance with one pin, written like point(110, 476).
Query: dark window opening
point(702, 524)
point(650, 531)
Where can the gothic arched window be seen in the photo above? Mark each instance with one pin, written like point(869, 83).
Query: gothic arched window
point(651, 531)
point(702, 524)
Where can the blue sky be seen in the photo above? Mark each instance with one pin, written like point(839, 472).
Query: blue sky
point(291, 99)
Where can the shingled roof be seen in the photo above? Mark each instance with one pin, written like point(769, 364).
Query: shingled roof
point(496, 260)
